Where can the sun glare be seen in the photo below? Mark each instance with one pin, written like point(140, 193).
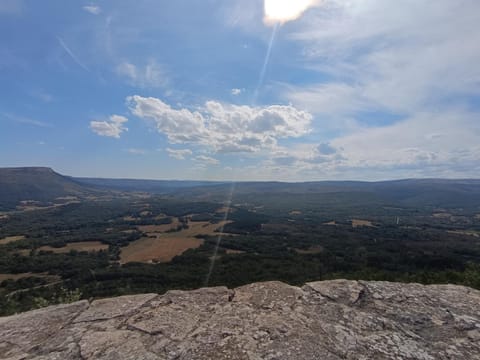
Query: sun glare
point(282, 11)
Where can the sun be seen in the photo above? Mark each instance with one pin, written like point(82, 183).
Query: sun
point(282, 11)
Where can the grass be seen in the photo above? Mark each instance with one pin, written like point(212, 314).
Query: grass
point(164, 247)
point(358, 223)
point(88, 246)
point(159, 228)
point(10, 239)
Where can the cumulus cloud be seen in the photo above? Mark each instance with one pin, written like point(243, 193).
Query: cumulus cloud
point(223, 128)
point(236, 91)
point(114, 127)
point(179, 154)
point(434, 144)
point(150, 75)
point(425, 139)
point(93, 9)
point(207, 160)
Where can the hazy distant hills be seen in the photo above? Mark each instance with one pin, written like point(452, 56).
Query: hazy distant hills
point(410, 192)
point(37, 184)
point(44, 184)
point(152, 186)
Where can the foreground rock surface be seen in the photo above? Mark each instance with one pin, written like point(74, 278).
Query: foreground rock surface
point(322, 320)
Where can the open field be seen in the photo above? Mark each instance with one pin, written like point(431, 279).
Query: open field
point(87, 246)
point(225, 209)
point(164, 247)
point(442, 215)
point(357, 223)
point(233, 252)
point(466, 232)
point(159, 228)
point(10, 239)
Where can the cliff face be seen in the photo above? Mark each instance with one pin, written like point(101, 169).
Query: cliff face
point(322, 320)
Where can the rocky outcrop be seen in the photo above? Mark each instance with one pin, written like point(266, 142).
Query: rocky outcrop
point(322, 320)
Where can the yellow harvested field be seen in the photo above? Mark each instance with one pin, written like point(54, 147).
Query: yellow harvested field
point(163, 247)
point(130, 231)
point(466, 232)
point(330, 223)
point(10, 239)
point(442, 215)
point(131, 218)
point(357, 223)
point(159, 228)
point(312, 250)
point(89, 246)
point(225, 209)
point(233, 252)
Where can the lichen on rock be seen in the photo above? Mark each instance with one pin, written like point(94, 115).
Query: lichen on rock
point(336, 319)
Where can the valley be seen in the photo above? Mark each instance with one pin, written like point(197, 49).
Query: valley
point(118, 241)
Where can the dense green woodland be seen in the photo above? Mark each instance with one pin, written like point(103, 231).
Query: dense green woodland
point(272, 243)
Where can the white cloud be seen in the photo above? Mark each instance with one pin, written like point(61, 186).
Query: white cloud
point(151, 75)
point(136, 151)
point(282, 11)
point(397, 56)
point(428, 144)
point(207, 160)
point(236, 91)
point(93, 9)
point(26, 120)
point(179, 154)
point(426, 139)
point(410, 66)
point(111, 128)
point(223, 128)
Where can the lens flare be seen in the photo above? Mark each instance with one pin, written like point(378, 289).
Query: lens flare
point(282, 11)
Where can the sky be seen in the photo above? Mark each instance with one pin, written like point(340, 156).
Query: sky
point(292, 90)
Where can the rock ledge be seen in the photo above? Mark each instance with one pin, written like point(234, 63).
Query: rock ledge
point(337, 319)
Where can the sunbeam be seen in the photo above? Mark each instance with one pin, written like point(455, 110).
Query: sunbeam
point(228, 205)
point(265, 65)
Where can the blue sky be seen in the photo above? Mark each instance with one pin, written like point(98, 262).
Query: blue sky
point(352, 89)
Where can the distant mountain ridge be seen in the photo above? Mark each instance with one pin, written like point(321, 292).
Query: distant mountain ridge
point(37, 184)
point(44, 184)
point(154, 186)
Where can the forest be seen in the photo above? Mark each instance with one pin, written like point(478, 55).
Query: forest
point(292, 238)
